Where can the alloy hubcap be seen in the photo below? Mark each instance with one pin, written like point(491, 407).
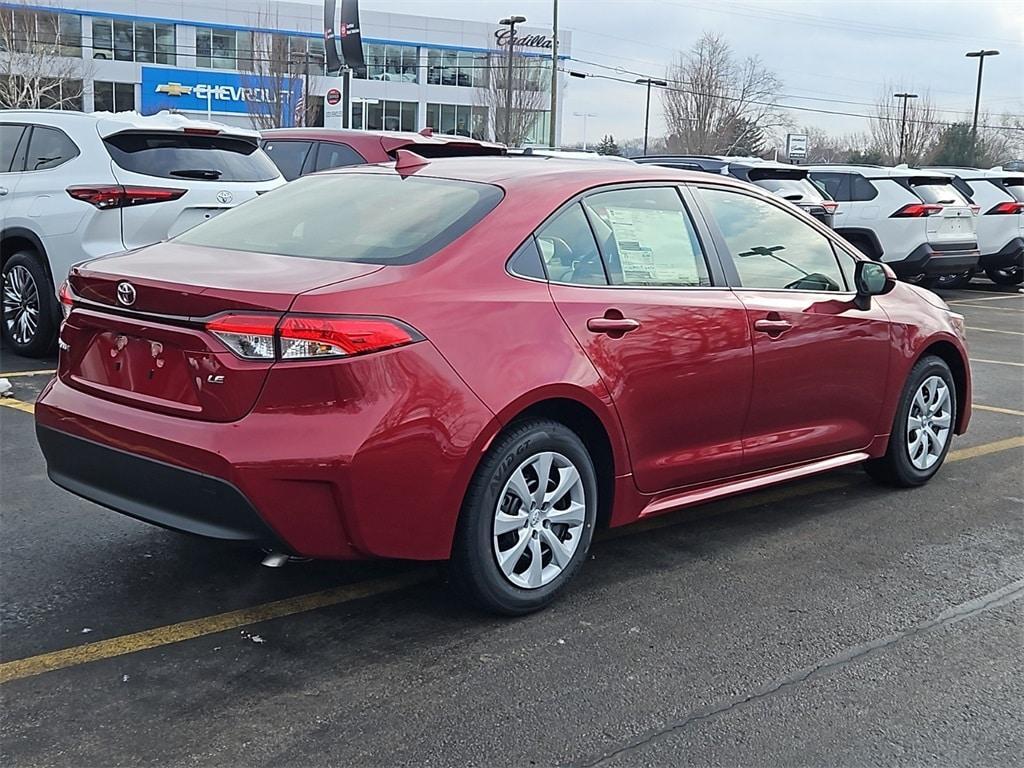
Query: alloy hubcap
point(539, 519)
point(929, 422)
point(20, 304)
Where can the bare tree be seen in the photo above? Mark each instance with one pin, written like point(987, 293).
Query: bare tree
point(822, 147)
point(41, 64)
point(920, 132)
point(528, 97)
point(715, 104)
point(280, 78)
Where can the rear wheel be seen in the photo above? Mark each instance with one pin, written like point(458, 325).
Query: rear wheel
point(923, 428)
point(1009, 276)
point(29, 317)
point(528, 519)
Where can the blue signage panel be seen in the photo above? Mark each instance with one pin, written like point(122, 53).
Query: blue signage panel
point(194, 90)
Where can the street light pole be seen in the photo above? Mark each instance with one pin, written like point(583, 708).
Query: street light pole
point(903, 123)
point(552, 133)
point(647, 115)
point(510, 22)
point(584, 115)
point(980, 56)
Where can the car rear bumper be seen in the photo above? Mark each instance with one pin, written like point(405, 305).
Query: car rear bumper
point(938, 259)
point(1010, 255)
point(153, 491)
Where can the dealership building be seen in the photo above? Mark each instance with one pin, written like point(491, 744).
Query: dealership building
point(201, 58)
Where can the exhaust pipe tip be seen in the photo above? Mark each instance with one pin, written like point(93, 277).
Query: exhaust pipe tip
point(275, 560)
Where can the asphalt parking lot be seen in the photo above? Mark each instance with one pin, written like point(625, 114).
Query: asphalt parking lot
point(824, 622)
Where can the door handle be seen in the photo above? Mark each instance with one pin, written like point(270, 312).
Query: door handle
point(772, 327)
point(3, 191)
point(614, 326)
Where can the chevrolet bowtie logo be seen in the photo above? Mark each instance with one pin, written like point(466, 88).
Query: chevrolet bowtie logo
point(174, 89)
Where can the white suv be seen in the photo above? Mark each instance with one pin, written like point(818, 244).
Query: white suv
point(915, 221)
point(999, 196)
point(75, 186)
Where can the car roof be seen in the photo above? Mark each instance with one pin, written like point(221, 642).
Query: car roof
point(975, 173)
point(718, 161)
point(388, 139)
point(877, 171)
point(526, 171)
point(109, 123)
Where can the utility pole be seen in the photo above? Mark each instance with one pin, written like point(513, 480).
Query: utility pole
point(552, 133)
point(647, 115)
point(903, 123)
point(980, 56)
point(584, 115)
point(510, 22)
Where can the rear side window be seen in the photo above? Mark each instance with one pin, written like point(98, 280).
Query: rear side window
point(49, 148)
point(861, 189)
point(771, 248)
point(647, 238)
point(360, 217)
point(569, 250)
point(332, 155)
point(288, 156)
point(797, 190)
point(1014, 186)
point(836, 184)
point(190, 156)
point(10, 136)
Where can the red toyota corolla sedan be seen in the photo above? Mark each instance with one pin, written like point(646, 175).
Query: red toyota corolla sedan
point(482, 360)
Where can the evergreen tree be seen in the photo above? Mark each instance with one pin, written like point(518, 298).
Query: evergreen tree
point(607, 146)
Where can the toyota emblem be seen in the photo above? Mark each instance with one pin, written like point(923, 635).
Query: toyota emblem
point(224, 197)
point(126, 293)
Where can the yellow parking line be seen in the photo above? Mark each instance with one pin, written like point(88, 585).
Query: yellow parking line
point(208, 625)
point(992, 408)
point(15, 374)
point(10, 402)
point(996, 362)
point(994, 330)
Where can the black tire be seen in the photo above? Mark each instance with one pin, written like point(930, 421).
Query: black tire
point(949, 282)
point(42, 341)
point(895, 467)
point(931, 282)
point(1006, 276)
point(474, 569)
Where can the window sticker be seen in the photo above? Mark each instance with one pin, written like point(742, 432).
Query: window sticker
point(653, 246)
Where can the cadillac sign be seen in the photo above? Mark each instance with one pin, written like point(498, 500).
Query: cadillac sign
point(542, 42)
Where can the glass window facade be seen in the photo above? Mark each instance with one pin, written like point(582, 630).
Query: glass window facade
point(113, 97)
point(458, 119)
point(465, 68)
point(143, 41)
point(223, 48)
point(399, 63)
point(41, 31)
point(385, 115)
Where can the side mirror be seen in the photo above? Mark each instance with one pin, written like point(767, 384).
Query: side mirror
point(872, 278)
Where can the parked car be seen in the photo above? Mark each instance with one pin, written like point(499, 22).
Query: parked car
point(482, 360)
point(999, 198)
point(789, 182)
point(74, 186)
point(915, 221)
point(299, 151)
point(566, 154)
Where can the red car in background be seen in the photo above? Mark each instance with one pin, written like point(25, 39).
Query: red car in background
point(484, 359)
point(300, 151)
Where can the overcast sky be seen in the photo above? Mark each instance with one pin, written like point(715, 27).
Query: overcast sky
point(826, 53)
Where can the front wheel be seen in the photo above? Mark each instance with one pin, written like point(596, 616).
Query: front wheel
point(527, 520)
point(29, 317)
point(923, 428)
point(1010, 276)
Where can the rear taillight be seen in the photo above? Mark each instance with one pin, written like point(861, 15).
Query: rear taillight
point(829, 206)
point(975, 209)
point(917, 210)
point(1005, 208)
point(117, 196)
point(67, 301)
point(309, 337)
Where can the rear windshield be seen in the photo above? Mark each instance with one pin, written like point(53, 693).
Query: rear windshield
point(797, 190)
point(190, 156)
point(935, 191)
point(365, 218)
point(1015, 186)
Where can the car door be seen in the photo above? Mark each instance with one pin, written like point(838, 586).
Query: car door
point(333, 154)
point(820, 361)
point(13, 146)
point(630, 274)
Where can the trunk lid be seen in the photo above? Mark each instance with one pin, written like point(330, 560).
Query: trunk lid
point(146, 345)
point(956, 222)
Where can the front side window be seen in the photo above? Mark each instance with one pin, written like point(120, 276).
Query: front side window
point(49, 148)
point(361, 217)
point(771, 248)
point(288, 156)
point(647, 238)
point(10, 137)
